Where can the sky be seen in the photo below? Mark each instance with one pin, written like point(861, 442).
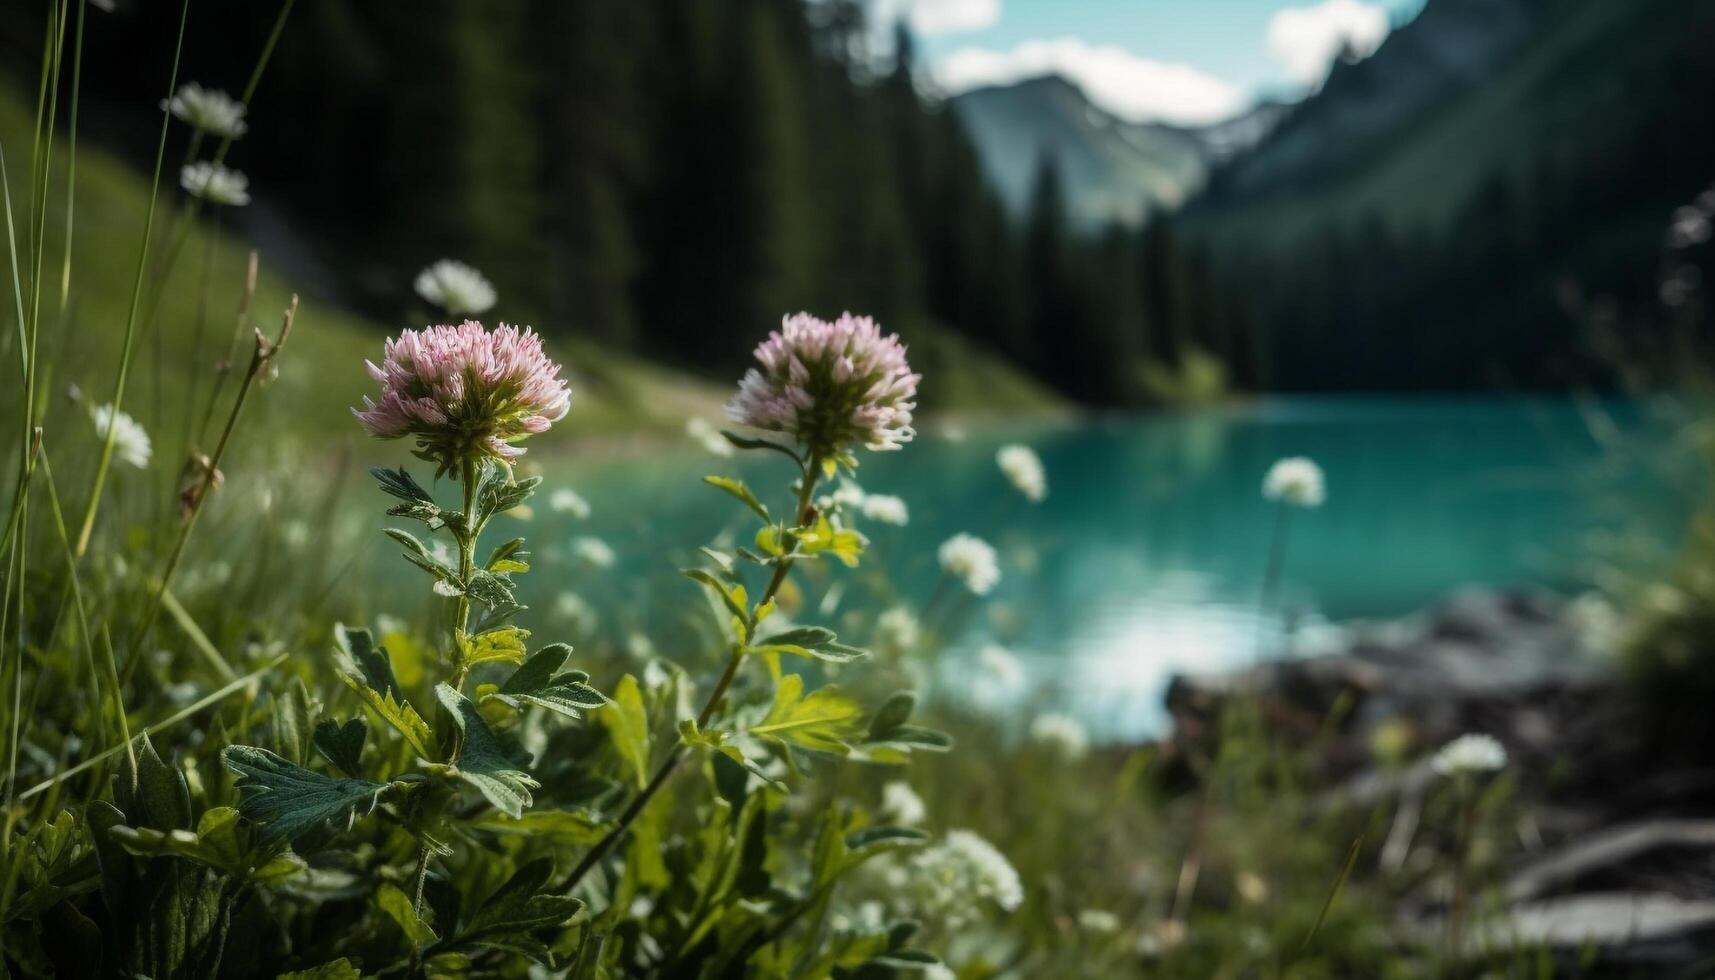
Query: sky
point(1184, 61)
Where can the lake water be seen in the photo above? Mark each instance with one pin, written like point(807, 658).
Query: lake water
point(1147, 557)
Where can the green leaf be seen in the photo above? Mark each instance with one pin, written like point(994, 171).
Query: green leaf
point(496, 494)
point(628, 726)
point(812, 642)
point(566, 828)
point(340, 969)
point(733, 596)
point(746, 442)
point(503, 645)
point(742, 492)
point(895, 711)
point(510, 551)
point(371, 661)
point(287, 801)
point(393, 901)
point(843, 543)
point(289, 720)
point(536, 682)
point(418, 553)
point(401, 484)
point(155, 794)
point(515, 910)
point(494, 591)
point(342, 745)
point(495, 766)
point(820, 722)
point(394, 712)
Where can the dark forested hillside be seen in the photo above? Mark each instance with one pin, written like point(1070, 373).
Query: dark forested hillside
point(1441, 214)
point(660, 176)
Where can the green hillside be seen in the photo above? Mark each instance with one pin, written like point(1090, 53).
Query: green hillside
point(322, 374)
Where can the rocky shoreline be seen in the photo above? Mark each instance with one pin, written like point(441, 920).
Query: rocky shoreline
point(1616, 860)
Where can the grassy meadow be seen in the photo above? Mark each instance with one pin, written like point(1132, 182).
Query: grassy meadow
point(226, 757)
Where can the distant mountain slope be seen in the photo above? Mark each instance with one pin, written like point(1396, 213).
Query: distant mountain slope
point(1452, 47)
point(1113, 170)
point(1471, 92)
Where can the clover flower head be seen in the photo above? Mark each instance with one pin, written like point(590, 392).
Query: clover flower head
point(1063, 734)
point(1469, 754)
point(130, 441)
point(901, 804)
point(215, 183)
point(1296, 481)
point(1024, 469)
point(456, 288)
point(208, 110)
point(972, 561)
point(828, 385)
point(565, 500)
point(885, 508)
point(465, 392)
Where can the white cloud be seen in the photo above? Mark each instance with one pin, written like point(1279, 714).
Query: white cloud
point(933, 18)
point(1306, 40)
point(1124, 84)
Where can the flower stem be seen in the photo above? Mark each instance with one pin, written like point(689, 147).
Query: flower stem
point(807, 486)
point(467, 564)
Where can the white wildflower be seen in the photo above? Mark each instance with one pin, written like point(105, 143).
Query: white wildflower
point(886, 509)
point(130, 443)
point(215, 183)
point(593, 550)
point(1098, 921)
point(974, 870)
point(707, 436)
point(972, 561)
point(1471, 753)
point(209, 110)
point(456, 288)
point(898, 629)
point(1001, 664)
point(1061, 733)
point(1296, 481)
point(900, 804)
point(573, 607)
point(568, 501)
point(1024, 468)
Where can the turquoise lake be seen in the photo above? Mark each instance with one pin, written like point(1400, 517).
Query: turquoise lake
point(1147, 556)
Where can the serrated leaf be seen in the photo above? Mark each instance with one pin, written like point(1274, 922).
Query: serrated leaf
point(812, 642)
point(342, 745)
point(287, 801)
point(627, 725)
point(400, 483)
point(494, 591)
point(340, 969)
point(821, 721)
point(732, 596)
point(371, 661)
point(418, 553)
point(430, 514)
point(537, 682)
point(497, 767)
point(502, 645)
point(497, 495)
point(739, 490)
point(518, 907)
point(392, 900)
point(395, 712)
